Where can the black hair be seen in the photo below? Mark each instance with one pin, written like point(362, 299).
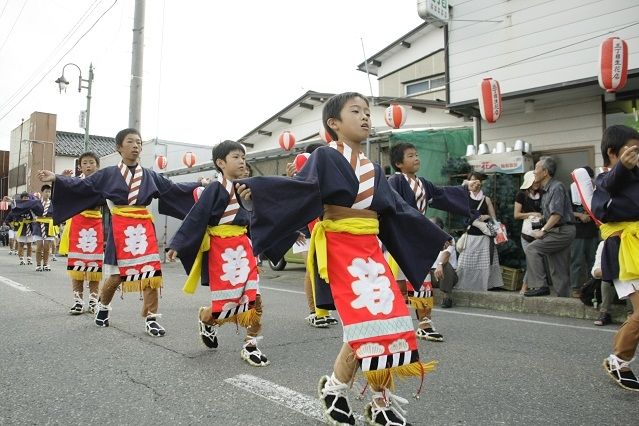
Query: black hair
point(590, 171)
point(45, 186)
point(438, 221)
point(249, 169)
point(119, 138)
point(25, 194)
point(549, 164)
point(614, 138)
point(312, 147)
point(222, 149)
point(397, 154)
point(476, 175)
point(89, 154)
point(333, 108)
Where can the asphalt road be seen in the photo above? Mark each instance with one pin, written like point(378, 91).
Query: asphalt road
point(494, 367)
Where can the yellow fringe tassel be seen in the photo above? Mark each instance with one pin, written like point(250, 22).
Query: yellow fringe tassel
point(245, 319)
point(420, 302)
point(379, 379)
point(85, 276)
point(139, 285)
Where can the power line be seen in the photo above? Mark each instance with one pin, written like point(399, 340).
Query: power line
point(53, 53)
point(59, 60)
point(3, 9)
point(14, 24)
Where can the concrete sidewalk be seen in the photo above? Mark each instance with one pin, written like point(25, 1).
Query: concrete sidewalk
point(507, 301)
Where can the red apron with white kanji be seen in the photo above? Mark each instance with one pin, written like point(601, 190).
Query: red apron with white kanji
point(136, 248)
point(86, 246)
point(377, 323)
point(233, 279)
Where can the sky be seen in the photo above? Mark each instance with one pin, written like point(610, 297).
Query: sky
point(213, 70)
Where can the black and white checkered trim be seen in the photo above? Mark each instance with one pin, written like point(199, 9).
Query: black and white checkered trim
point(142, 276)
point(84, 268)
point(231, 312)
point(388, 361)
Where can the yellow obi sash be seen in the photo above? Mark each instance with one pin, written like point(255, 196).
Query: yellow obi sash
point(21, 225)
point(222, 231)
point(64, 239)
point(126, 212)
point(629, 250)
point(356, 225)
point(52, 230)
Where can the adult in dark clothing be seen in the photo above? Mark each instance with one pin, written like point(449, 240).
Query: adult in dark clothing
point(584, 247)
point(553, 240)
point(527, 209)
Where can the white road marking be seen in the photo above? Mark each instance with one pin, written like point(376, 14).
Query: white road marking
point(14, 284)
point(472, 314)
point(295, 401)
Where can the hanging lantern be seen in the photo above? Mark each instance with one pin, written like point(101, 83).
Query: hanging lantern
point(395, 116)
point(197, 192)
point(324, 135)
point(613, 64)
point(161, 162)
point(489, 100)
point(189, 159)
point(287, 140)
point(300, 160)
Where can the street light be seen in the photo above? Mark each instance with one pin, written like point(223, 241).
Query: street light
point(62, 85)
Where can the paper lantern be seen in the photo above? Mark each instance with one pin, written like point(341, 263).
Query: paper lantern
point(287, 140)
point(395, 116)
point(197, 192)
point(613, 64)
point(324, 135)
point(161, 162)
point(489, 100)
point(300, 160)
point(189, 159)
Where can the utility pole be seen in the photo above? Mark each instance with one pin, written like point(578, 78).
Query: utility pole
point(137, 59)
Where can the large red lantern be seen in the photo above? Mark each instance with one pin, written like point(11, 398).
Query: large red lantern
point(395, 116)
point(613, 64)
point(489, 100)
point(161, 162)
point(300, 160)
point(324, 135)
point(287, 140)
point(189, 159)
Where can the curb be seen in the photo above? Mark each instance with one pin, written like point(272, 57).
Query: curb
point(544, 305)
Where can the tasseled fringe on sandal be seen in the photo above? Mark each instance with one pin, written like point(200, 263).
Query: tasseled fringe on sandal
point(420, 302)
point(379, 379)
point(85, 276)
point(132, 286)
point(249, 318)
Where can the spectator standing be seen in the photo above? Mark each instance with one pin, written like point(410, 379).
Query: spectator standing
point(4, 234)
point(528, 209)
point(443, 274)
point(584, 247)
point(554, 238)
point(479, 262)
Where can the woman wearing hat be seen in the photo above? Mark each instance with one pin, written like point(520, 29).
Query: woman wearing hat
point(528, 209)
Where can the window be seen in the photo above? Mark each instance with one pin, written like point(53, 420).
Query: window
point(623, 111)
point(422, 86)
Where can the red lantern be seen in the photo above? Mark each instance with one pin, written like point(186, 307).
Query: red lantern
point(300, 160)
point(197, 192)
point(287, 140)
point(395, 116)
point(324, 135)
point(489, 100)
point(613, 64)
point(189, 159)
point(161, 162)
